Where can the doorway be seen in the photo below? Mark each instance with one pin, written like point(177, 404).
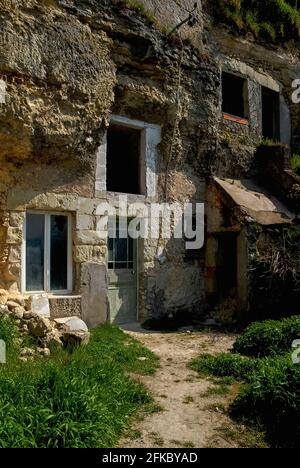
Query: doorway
point(122, 276)
point(227, 265)
point(270, 114)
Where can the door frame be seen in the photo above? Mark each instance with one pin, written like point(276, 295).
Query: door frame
point(137, 267)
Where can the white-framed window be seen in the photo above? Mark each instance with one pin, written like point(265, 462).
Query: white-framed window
point(47, 253)
point(128, 157)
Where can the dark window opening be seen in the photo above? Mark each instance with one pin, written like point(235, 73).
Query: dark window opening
point(123, 159)
point(234, 95)
point(270, 114)
point(58, 253)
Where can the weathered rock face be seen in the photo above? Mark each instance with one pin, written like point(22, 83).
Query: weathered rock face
point(66, 67)
point(59, 82)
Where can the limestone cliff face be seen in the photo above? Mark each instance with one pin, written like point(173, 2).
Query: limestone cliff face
point(60, 79)
point(61, 61)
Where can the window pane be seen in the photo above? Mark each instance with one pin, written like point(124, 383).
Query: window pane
point(121, 266)
point(130, 249)
point(59, 253)
point(110, 250)
point(35, 235)
point(121, 250)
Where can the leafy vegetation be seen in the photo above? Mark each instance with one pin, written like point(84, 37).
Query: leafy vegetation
point(272, 398)
point(268, 338)
point(269, 398)
point(275, 272)
point(9, 333)
point(269, 142)
point(83, 399)
point(296, 163)
point(275, 20)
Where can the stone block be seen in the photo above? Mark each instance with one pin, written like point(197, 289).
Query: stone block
point(2, 92)
point(12, 272)
point(84, 222)
point(73, 323)
point(86, 206)
point(4, 254)
point(65, 306)
point(14, 235)
point(94, 294)
point(39, 304)
point(89, 237)
point(82, 253)
point(14, 254)
point(20, 200)
point(17, 219)
point(88, 253)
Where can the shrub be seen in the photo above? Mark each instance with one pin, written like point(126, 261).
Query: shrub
point(272, 398)
point(296, 163)
point(276, 20)
point(268, 338)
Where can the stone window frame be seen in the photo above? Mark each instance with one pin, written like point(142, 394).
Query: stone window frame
point(150, 139)
point(47, 289)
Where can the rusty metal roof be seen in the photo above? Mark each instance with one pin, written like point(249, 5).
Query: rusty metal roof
point(255, 201)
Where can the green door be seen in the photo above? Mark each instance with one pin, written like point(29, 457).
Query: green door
point(122, 279)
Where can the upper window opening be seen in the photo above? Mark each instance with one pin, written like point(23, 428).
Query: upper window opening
point(124, 159)
point(234, 95)
point(270, 114)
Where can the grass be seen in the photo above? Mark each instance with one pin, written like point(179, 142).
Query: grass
point(272, 20)
point(269, 142)
point(217, 390)
point(269, 399)
point(216, 407)
point(79, 400)
point(244, 437)
point(138, 7)
point(225, 365)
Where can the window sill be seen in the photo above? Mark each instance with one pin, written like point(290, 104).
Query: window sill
point(233, 118)
point(52, 295)
point(131, 198)
point(64, 296)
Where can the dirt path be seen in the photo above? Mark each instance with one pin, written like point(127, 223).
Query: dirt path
point(193, 409)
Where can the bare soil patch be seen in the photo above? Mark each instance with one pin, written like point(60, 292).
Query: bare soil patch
point(193, 409)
